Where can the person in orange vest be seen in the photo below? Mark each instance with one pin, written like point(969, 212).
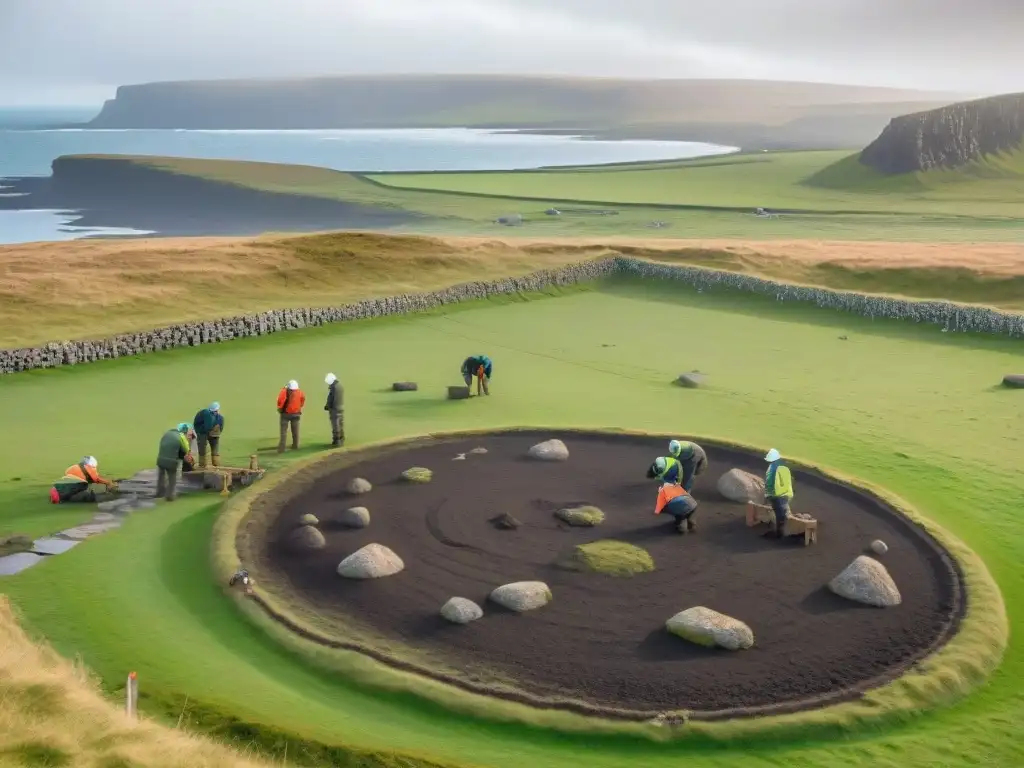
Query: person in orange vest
point(674, 500)
point(289, 405)
point(76, 485)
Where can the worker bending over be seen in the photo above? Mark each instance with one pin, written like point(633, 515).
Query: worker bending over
point(289, 404)
point(175, 447)
point(479, 366)
point(778, 490)
point(335, 408)
point(208, 425)
point(675, 501)
point(76, 484)
point(666, 469)
point(693, 459)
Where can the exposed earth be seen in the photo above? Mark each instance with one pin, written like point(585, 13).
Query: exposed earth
point(601, 645)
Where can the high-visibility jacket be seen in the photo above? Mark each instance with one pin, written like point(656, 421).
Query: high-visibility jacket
point(290, 402)
point(82, 473)
point(673, 471)
point(778, 481)
point(667, 494)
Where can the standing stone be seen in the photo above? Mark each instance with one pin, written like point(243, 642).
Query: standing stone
point(867, 581)
point(879, 547)
point(374, 561)
point(549, 450)
point(355, 517)
point(305, 538)
point(358, 485)
point(739, 486)
point(459, 610)
point(709, 628)
point(522, 595)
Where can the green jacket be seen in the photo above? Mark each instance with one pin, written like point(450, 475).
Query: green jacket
point(778, 481)
point(173, 448)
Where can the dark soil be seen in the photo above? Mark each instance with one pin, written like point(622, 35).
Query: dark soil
point(602, 641)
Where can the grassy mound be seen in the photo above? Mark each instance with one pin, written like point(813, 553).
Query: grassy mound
point(614, 558)
point(583, 517)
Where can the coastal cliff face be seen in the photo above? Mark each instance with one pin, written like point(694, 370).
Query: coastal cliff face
point(948, 137)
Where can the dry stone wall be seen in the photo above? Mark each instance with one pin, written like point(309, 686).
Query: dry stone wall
point(951, 316)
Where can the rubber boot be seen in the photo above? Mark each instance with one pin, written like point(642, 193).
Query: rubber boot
point(681, 527)
point(215, 460)
point(202, 461)
point(691, 525)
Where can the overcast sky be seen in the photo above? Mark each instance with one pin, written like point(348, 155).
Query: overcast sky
point(78, 51)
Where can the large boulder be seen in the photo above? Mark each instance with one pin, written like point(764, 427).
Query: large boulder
point(709, 628)
point(549, 450)
point(1014, 380)
point(374, 561)
point(522, 595)
point(867, 581)
point(460, 610)
point(358, 485)
point(582, 517)
point(305, 538)
point(355, 517)
point(739, 486)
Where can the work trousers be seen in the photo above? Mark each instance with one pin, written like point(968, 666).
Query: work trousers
point(166, 482)
point(213, 441)
point(780, 505)
point(289, 421)
point(337, 419)
point(481, 383)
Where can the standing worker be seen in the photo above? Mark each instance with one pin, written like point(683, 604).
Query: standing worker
point(289, 405)
point(693, 459)
point(479, 366)
point(674, 500)
point(208, 425)
point(778, 490)
point(175, 447)
point(666, 469)
point(335, 408)
point(76, 484)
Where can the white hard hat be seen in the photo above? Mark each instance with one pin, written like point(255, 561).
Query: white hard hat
point(674, 447)
point(293, 384)
point(772, 455)
point(330, 378)
point(660, 464)
point(90, 461)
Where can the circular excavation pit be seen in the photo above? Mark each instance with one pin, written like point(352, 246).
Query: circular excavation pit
point(600, 647)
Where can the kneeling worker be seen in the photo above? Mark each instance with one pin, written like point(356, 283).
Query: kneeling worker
point(778, 490)
point(666, 469)
point(693, 459)
point(175, 446)
point(675, 501)
point(479, 366)
point(76, 484)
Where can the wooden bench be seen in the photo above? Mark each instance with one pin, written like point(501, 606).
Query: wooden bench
point(225, 476)
point(758, 514)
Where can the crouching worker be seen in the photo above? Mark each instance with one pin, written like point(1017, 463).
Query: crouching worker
point(666, 469)
point(778, 490)
point(675, 501)
point(208, 425)
point(175, 447)
point(480, 367)
point(76, 485)
point(693, 459)
point(289, 404)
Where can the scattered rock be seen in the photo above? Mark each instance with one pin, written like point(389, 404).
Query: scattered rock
point(405, 386)
point(418, 475)
point(867, 581)
point(739, 486)
point(308, 519)
point(460, 457)
point(459, 610)
point(505, 522)
point(879, 547)
point(549, 450)
point(709, 628)
point(355, 517)
point(844, 338)
point(522, 595)
point(1014, 380)
point(305, 538)
point(581, 517)
point(358, 485)
point(691, 380)
point(611, 557)
point(374, 561)
point(458, 393)
point(478, 451)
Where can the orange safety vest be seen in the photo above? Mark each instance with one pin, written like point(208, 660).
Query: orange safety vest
point(290, 404)
point(668, 492)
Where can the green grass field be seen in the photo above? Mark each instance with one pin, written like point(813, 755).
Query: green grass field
point(703, 198)
point(908, 408)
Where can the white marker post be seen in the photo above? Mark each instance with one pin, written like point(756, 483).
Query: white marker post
point(132, 696)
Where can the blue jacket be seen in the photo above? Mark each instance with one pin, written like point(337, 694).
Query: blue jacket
point(470, 364)
point(206, 420)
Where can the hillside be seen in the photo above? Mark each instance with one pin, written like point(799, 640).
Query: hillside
point(951, 137)
point(735, 112)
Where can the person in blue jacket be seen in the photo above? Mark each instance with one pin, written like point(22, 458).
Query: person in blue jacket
point(666, 469)
point(208, 425)
point(778, 490)
point(479, 367)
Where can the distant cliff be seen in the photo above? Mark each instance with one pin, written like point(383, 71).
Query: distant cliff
point(948, 137)
point(735, 112)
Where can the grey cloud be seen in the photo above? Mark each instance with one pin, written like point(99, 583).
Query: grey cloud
point(89, 46)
